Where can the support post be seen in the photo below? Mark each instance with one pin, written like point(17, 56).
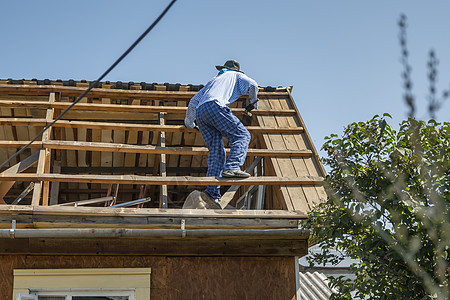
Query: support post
point(163, 170)
point(44, 160)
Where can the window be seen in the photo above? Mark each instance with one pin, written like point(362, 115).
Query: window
point(82, 284)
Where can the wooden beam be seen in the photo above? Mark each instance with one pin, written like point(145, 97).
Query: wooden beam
point(127, 108)
point(170, 180)
point(40, 188)
point(46, 136)
point(180, 171)
point(5, 186)
point(173, 247)
point(109, 93)
point(149, 215)
point(113, 147)
point(20, 144)
point(98, 217)
point(128, 126)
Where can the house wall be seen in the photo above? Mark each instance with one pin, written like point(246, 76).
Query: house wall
point(177, 277)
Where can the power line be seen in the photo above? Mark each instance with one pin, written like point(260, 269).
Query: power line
point(93, 84)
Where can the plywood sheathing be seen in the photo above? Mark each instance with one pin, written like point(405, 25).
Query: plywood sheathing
point(295, 197)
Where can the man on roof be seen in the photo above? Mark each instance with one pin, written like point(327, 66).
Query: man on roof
point(209, 109)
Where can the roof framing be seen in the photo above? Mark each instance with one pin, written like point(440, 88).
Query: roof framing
point(122, 128)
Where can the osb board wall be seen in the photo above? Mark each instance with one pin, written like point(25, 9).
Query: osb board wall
point(178, 277)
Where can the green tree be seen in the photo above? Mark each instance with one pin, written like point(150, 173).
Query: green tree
point(388, 206)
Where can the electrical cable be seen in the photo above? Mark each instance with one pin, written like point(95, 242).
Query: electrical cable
point(93, 84)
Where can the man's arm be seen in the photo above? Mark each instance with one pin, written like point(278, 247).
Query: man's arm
point(190, 114)
point(253, 96)
point(248, 85)
point(192, 109)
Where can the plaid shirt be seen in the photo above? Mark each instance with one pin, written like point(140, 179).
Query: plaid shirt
point(225, 88)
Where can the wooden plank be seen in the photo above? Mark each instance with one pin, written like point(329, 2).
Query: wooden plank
point(274, 141)
point(46, 152)
point(300, 196)
point(129, 126)
point(145, 148)
point(248, 217)
point(37, 191)
point(158, 180)
point(185, 247)
point(136, 108)
point(306, 166)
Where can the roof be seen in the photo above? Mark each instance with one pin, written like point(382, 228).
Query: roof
point(122, 133)
point(314, 286)
point(122, 158)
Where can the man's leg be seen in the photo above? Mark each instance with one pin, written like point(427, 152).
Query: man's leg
point(214, 142)
point(238, 136)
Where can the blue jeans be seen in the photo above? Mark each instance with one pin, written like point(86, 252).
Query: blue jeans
point(216, 122)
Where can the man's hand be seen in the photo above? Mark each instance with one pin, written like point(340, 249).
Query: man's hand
point(249, 108)
point(252, 106)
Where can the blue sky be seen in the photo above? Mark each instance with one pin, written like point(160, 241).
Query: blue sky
point(341, 57)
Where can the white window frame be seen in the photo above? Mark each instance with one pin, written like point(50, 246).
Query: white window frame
point(131, 282)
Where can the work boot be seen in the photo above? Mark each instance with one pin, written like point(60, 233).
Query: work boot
point(235, 174)
point(212, 203)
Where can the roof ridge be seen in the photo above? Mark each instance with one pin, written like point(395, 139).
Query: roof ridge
point(131, 85)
